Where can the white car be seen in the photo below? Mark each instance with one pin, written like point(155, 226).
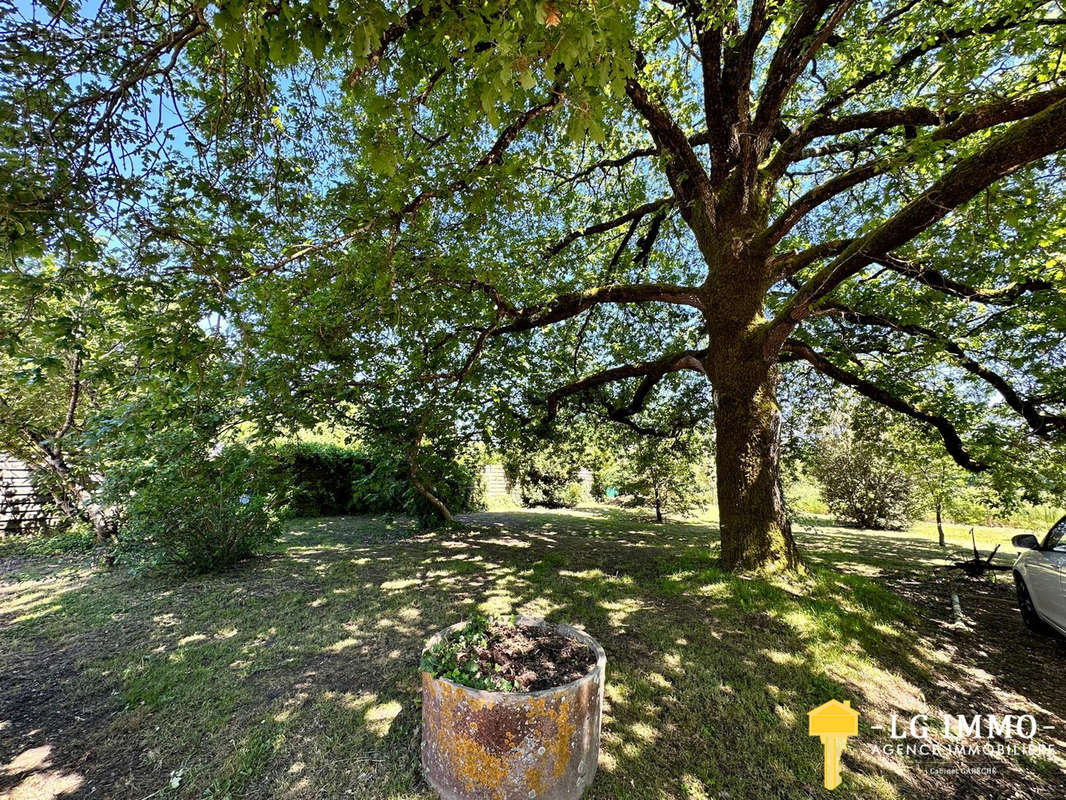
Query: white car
point(1040, 578)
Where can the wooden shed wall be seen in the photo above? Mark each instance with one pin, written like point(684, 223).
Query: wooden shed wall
point(21, 508)
point(495, 480)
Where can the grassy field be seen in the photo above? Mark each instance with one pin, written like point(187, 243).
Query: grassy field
point(295, 675)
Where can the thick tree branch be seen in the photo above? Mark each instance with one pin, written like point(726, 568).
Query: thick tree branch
point(964, 124)
point(821, 194)
point(650, 371)
point(709, 42)
point(796, 350)
point(727, 86)
point(684, 171)
point(935, 42)
point(1020, 144)
point(786, 265)
point(798, 47)
point(72, 404)
point(935, 279)
point(1040, 423)
point(955, 123)
point(570, 305)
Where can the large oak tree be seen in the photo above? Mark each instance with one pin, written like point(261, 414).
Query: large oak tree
point(594, 201)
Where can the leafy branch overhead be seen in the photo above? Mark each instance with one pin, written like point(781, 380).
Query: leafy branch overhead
point(556, 206)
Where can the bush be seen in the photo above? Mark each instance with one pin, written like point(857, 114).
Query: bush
point(543, 479)
point(602, 480)
point(324, 479)
point(1035, 518)
point(861, 484)
point(968, 506)
point(386, 484)
point(803, 496)
point(315, 479)
point(77, 537)
point(201, 513)
point(573, 495)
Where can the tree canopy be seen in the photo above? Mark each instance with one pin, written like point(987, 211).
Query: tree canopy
point(460, 210)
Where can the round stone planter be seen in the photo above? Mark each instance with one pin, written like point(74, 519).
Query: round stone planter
point(480, 745)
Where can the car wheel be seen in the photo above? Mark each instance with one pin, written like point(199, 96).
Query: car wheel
point(1025, 603)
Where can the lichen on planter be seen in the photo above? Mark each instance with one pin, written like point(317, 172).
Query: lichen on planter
point(482, 745)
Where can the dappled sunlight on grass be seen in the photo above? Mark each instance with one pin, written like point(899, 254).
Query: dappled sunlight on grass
point(31, 776)
point(296, 675)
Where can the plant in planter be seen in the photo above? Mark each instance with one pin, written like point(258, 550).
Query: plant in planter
point(511, 710)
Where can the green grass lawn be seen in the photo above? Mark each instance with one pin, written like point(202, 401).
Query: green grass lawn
point(295, 674)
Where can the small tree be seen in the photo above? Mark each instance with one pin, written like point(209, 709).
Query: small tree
point(939, 483)
point(80, 347)
point(667, 474)
point(862, 483)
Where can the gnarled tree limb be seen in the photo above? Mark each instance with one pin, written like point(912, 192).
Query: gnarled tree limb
point(796, 350)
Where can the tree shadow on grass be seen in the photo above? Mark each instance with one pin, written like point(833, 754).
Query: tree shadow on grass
point(296, 675)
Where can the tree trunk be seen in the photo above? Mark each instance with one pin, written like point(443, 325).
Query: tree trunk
point(939, 524)
point(756, 535)
point(412, 470)
point(434, 501)
point(73, 498)
point(658, 506)
point(76, 501)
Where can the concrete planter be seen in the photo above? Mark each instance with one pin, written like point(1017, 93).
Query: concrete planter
point(480, 745)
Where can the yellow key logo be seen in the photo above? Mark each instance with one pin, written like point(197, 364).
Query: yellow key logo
point(833, 722)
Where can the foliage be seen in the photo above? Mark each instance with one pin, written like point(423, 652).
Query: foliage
point(1037, 518)
point(573, 495)
point(863, 485)
point(316, 479)
point(74, 538)
point(384, 201)
point(802, 494)
point(544, 477)
point(387, 486)
point(453, 657)
point(79, 347)
point(203, 512)
point(667, 474)
point(322, 479)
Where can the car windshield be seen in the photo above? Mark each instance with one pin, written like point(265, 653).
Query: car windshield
point(1054, 537)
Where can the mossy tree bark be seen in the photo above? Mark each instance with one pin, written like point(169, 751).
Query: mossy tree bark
point(756, 534)
point(742, 367)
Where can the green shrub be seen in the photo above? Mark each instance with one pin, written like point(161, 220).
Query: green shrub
point(542, 478)
point(1034, 517)
point(316, 479)
point(602, 480)
point(968, 506)
point(862, 484)
point(803, 496)
point(77, 537)
point(386, 485)
point(573, 495)
point(200, 512)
